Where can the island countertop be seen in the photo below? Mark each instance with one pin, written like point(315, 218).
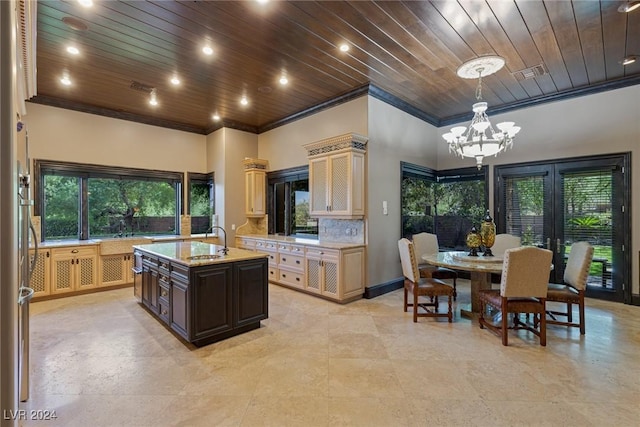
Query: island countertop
point(191, 254)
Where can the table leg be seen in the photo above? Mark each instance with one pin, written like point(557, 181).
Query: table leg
point(479, 280)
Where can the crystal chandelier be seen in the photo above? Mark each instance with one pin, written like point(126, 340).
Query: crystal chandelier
point(480, 139)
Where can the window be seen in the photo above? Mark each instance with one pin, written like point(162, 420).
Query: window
point(288, 203)
point(78, 201)
point(201, 201)
point(446, 203)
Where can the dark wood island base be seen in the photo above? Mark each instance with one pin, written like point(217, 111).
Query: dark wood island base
point(201, 299)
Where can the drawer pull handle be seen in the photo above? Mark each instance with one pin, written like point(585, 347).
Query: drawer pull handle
point(297, 279)
point(164, 293)
point(164, 312)
point(284, 259)
point(297, 261)
point(284, 275)
point(75, 251)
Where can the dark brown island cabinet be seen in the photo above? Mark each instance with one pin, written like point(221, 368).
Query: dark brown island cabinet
point(203, 295)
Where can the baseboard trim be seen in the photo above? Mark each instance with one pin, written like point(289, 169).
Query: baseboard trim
point(635, 299)
point(383, 288)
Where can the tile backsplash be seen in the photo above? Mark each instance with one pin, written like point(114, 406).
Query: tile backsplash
point(341, 230)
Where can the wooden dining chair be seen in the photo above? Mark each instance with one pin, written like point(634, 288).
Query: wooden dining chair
point(571, 291)
point(421, 286)
point(427, 243)
point(523, 289)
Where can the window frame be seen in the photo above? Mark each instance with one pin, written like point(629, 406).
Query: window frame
point(200, 178)
point(441, 176)
point(284, 176)
point(85, 171)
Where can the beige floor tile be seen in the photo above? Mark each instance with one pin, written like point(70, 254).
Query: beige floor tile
point(102, 360)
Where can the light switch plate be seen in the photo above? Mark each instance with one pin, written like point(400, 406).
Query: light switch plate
point(384, 208)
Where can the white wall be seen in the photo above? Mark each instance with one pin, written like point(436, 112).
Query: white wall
point(394, 136)
point(603, 123)
point(283, 146)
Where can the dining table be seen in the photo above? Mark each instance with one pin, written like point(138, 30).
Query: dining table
point(480, 268)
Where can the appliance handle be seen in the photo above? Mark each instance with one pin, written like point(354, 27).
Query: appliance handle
point(136, 270)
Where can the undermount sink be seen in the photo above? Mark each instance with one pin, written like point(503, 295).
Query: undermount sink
point(206, 256)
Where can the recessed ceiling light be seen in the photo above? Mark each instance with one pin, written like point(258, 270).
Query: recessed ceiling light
point(207, 50)
point(73, 50)
point(629, 6)
point(283, 80)
point(344, 47)
point(153, 100)
point(86, 3)
point(244, 100)
point(628, 60)
point(65, 81)
point(215, 117)
point(175, 80)
point(262, 1)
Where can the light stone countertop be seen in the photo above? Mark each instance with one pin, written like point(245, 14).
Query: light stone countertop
point(182, 252)
point(303, 241)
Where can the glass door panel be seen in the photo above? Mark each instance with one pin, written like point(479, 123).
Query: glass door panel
point(554, 205)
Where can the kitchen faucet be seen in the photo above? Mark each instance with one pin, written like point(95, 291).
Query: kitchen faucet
point(224, 250)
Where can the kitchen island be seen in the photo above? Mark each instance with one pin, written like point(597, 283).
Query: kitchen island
point(202, 294)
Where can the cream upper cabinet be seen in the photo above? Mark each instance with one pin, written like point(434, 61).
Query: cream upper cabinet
point(255, 180)
point(337, 176)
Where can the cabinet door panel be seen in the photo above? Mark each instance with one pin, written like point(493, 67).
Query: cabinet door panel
point(313, 275)
point(330, 285)
point(87, 272)
point(339, 184)
point(179, 300)
point(251, 298)
point(318, 179)
point(62, 273)
point(211, 302)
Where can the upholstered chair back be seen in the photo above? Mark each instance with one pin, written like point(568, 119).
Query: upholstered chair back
point(425, 244)
point(408, 260)
point(525, 272)
point(504, 242)
point(576, 272)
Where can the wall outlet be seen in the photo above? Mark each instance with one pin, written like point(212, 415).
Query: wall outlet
point(233, 226)
point(384, 208)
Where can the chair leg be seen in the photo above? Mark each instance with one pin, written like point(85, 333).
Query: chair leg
point(543, 327)
point(482, 310)
point(415, 306)
point(569, 312)
point(450, 311)
point(505, 322)
point(406, 292)
point(455, 292)
point(581, 313)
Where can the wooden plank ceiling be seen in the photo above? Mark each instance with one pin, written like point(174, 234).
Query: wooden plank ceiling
point(406, 52)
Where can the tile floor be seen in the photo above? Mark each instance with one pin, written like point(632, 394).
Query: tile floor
point(102, 360)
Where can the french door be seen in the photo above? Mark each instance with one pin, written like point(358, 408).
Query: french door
point(553, 205)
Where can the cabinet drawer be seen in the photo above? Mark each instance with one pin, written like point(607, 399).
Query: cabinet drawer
point(75, 251)
point(292, 261)
point(163, 310)
point(322, 252)
point(163, 264)
point(291, 249)
point(164, 293)
point(267, 246)
point(273, 258)
point(291, 278)
point(248, 244)
point(273, 274)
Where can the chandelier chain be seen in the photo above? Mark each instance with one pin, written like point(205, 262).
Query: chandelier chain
point(479, 88)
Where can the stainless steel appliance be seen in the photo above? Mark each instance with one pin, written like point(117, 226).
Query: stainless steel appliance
point(137, 275)
point(26, 264)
